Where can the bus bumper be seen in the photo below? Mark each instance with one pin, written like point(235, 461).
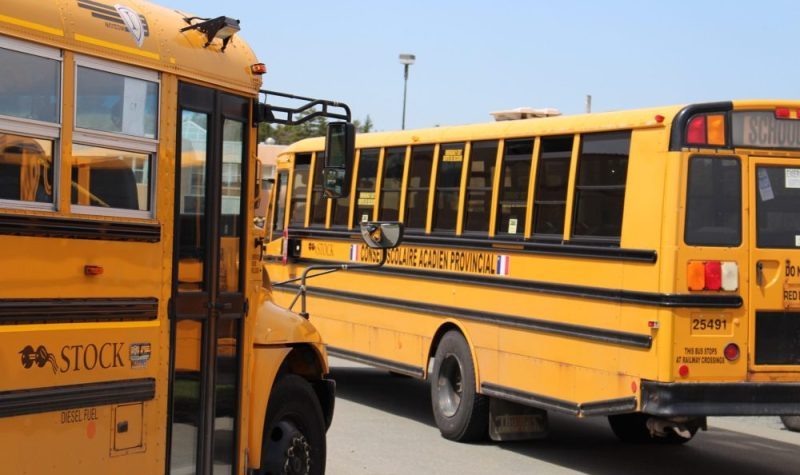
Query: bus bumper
point(720, 399)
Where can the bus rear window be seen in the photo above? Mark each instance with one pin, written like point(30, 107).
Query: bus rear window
point(714, 202)
point(777, 213)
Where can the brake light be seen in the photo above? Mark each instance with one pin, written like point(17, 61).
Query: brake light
point(732, 352)
point(696, 132)
point(706, 129)
point(782, 113)
point(712, 275)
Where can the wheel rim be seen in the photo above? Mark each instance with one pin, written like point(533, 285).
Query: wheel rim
point(291, 449)
point(450, 385)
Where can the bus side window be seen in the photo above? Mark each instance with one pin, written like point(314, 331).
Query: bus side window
point(365, 187)
point(419, 182)
point(550, 195)
point(297, 213)
point(393, 165)
point(448, 186)
point(340, 210)
point(319, 204)
point(514, 180)
point(478, 202)
point(280, 202)
point(600, 186)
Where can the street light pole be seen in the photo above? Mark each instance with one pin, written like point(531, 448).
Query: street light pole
point(406, 60)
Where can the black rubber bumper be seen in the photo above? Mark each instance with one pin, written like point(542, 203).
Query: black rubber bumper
point(720, 399)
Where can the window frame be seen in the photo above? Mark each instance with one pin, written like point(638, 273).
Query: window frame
point(578, 187)
point(538, 183)
point(488, 189)
point(501, 170)
point(419, 189)
point(291, 188)
point(119, 141)
point(37, 129)
point(316, 187)
point(357, 189)
point(382, 190)
point(437, 188)
point(690, 178)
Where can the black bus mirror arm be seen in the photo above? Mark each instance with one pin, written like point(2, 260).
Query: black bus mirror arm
point(327, 269)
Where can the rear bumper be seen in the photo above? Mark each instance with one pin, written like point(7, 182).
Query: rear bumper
point(720, 399)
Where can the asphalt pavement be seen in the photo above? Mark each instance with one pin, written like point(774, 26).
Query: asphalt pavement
point(383, 426)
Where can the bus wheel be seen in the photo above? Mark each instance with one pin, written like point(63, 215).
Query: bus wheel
point(460, 412)
point(791, 422)
point(294, 434)
point(632, 429)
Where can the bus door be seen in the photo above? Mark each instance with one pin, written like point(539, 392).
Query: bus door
point(207, 306)
point(775, 263)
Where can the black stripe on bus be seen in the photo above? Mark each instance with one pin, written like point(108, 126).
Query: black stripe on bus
point(681, 121)
point(596, 293)
point(402, 368)
point(632, 340)
point(16, 311)
point(530, 399)
point(59, 398)
point(42, 226)
point(594, 408)
point(550, 249)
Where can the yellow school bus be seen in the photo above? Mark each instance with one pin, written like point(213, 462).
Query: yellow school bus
point(137, 328)
point(642, 265)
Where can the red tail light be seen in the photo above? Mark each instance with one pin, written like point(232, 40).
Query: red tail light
point(713, 275)
point(732, 352)
point(696, 131)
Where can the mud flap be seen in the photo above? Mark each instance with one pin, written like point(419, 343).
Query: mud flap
point(511, 421)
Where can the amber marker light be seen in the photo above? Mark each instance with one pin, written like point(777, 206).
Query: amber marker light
point(696, 275)
point(716, 129)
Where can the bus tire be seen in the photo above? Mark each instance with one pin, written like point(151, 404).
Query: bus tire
point(632, 429)
point(460, 412)
point(294, 430)
point(792, 423)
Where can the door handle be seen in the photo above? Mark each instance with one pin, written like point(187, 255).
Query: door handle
point(223, 305)
point(760, 273)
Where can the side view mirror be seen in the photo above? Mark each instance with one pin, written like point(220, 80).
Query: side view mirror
point(382, 235)
point(340, 148)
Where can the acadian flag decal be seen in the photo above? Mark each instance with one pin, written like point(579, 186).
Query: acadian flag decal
point(502, 264)
point(355, 252)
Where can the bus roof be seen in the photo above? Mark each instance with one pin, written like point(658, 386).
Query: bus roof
point(565, 124)
point(97, 28)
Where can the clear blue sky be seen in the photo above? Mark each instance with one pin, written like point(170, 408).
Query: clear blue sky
point(476, 57)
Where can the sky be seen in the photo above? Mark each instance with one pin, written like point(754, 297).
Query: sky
point(477, 57)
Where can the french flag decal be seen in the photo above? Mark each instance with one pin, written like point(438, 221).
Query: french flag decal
point(354, 252)
point(502, 265)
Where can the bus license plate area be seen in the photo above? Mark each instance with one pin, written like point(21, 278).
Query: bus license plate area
point(791, 295)
point(710, 325)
